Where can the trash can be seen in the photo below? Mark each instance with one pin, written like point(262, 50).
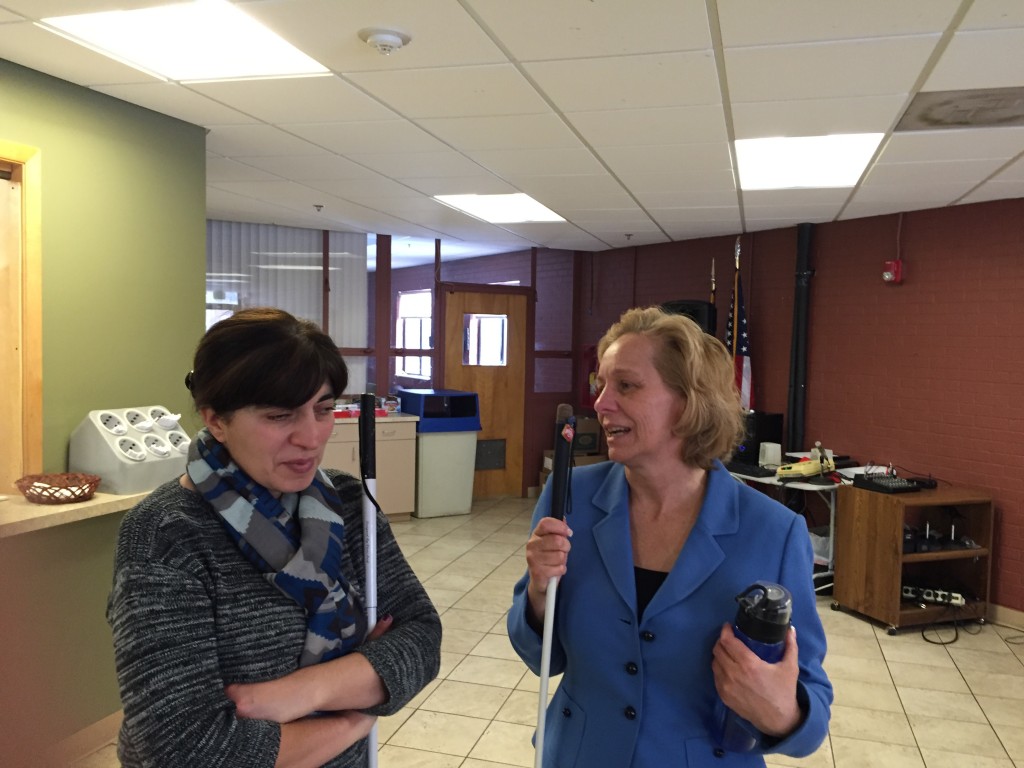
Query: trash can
point(445, 449)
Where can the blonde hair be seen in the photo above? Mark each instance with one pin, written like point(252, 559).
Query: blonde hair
point(697, 366)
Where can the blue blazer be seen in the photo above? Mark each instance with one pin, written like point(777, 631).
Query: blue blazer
point(641, 693)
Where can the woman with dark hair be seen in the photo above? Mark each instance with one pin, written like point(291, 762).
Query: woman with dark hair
point(663, 539)
point(237, 612)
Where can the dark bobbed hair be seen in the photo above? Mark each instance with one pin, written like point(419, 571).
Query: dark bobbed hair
point(263, 357)
point(697, 366)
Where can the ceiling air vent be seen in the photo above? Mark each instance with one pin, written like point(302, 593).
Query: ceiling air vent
point(981, 108)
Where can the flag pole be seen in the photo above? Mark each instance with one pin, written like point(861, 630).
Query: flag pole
point(735, 294)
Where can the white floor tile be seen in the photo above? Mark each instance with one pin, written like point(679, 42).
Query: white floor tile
point(900, 701)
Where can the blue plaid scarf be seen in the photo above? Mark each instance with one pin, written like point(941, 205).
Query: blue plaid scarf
point(296, 541)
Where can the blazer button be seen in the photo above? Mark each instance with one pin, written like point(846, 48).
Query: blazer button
point(647, 635)
point(566, 712)
point(719, 752)
point(630, 713)
point(632, 668)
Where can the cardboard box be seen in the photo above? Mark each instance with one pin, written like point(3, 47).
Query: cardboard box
point(588, 435)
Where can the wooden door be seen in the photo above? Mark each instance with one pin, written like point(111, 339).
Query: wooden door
point(501, 388)
point(21, 414)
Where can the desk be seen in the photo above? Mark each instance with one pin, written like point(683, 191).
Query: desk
point(828, 494)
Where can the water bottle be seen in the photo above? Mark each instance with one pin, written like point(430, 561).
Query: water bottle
point(762, 621)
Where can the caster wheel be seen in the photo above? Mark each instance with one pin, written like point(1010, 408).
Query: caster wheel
point(834, 606)
point(890, 630)
point(981, 620)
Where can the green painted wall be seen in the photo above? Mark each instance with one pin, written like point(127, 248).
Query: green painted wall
point(123, 250)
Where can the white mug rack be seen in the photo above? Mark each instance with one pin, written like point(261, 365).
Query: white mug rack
point(132, 449)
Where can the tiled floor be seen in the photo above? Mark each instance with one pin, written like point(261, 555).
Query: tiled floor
point(899, 701)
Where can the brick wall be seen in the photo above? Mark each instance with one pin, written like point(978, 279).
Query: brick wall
point(928, 375)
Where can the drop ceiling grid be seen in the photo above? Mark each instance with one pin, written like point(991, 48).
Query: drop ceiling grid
point(316, 99)
point(536, 30)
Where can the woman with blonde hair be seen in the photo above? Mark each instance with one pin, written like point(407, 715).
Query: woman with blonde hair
point(659, 542)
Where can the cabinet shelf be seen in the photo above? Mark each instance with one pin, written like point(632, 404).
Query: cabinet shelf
point(871, 567)
point(946, 554)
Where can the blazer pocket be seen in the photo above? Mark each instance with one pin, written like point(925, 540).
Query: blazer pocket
point(564, 723)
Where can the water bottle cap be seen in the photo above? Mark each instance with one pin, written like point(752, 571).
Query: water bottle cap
point(764, 612)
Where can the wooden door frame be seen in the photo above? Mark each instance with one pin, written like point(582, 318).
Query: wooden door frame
point(441, 291)
point(27, 162)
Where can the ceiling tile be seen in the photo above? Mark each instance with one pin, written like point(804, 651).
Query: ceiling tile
point(980, 60)
point(805, 21)
point(629, 82)
point(483, 184)
point(682, 182)
point(965, 144)
point(177, 101)
point(908, 196)
point(994, 14)
point(968, 172)
point(223, 169)
point(411, 165)
point(644, 127)
point(795, 197)
point(454, 91)
point(539, 29)
point(467, 134)
point(682, 158)
point(818, 116)
point(317, 99)
point(256, 141)
point(442, 33)
point(995, 190)
point(321, 166)
point(373, 185)
point(827, 70)
point(367, 137)
point(538, 162)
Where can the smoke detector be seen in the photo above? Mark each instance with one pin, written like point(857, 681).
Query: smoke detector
point(385, 41)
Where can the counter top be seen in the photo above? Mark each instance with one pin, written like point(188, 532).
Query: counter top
point(378, 419)
point(18, 515)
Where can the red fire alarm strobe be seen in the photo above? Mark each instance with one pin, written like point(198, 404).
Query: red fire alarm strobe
point(892, 272)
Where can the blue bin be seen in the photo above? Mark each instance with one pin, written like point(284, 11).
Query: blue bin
point(445, 449)
point(442, 410)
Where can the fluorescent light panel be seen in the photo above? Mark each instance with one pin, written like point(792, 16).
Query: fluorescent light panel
point(194, 41)
point(804, 162)
point(500, 209)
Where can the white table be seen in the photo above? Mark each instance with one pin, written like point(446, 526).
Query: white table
point(823, 579)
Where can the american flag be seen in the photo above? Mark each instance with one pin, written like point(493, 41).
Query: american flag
point(738, 341)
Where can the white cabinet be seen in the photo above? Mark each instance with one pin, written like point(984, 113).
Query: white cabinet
point(396, 459)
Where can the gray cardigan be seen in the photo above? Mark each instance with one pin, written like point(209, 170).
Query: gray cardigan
point(189, 614)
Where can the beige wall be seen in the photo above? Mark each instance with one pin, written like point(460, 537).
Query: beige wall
point(123, 263)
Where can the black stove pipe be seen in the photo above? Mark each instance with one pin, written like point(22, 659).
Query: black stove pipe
point(798, 348)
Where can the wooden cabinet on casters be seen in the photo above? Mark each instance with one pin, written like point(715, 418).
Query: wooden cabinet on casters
point(872, 567)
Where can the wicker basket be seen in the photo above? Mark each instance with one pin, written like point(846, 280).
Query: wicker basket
point(62, 488)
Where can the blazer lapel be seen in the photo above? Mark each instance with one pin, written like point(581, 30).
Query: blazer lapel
point(611, 534)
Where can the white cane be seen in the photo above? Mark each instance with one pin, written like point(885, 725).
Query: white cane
point(545, 669)
point(561, 468)
point(368, 470)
